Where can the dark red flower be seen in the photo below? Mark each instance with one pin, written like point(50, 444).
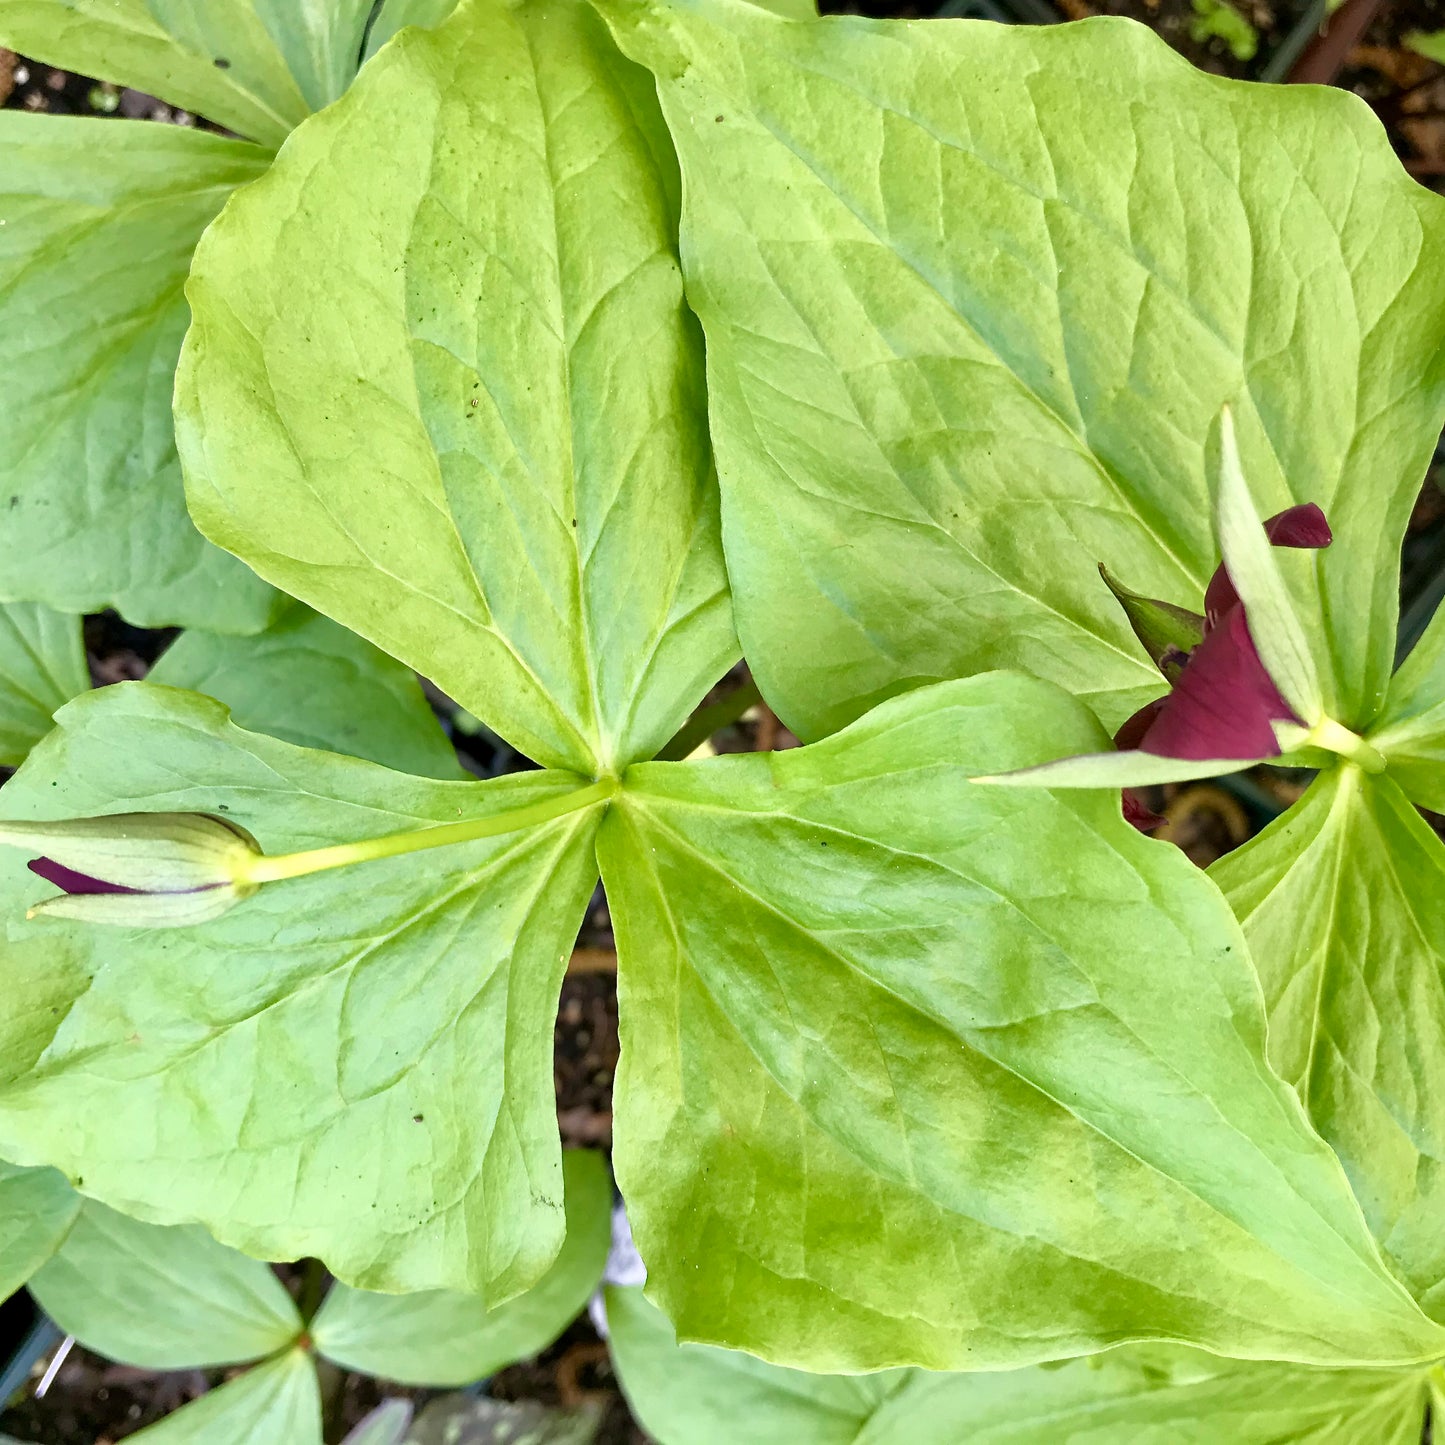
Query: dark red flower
point(72, 882)
point(1223, 703)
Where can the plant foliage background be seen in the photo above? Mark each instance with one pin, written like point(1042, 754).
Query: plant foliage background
point(564, 355)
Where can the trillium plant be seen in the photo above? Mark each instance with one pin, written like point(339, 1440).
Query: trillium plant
point(1038, 418)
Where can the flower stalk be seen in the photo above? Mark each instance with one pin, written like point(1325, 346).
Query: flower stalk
point(263, 869)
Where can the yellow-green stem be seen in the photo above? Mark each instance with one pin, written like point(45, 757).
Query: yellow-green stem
point(1337, 738)
point(443, 835)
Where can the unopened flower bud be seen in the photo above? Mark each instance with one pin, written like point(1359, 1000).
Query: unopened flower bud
point(140, 870)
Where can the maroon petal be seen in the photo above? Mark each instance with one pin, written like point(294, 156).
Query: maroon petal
point(1224, 702)
point(1303, 526)
point(1137, 815)
point(1133, 732)
point(71, 881)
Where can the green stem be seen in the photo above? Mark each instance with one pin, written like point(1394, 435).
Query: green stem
point(341, 855)
point(1337, 738)
point(709, 720)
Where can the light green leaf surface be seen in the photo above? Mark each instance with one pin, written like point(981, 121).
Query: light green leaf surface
point(311, 682)
point(385, 1425)
point(355, 1065)
point(699, 1395)
point(162, 1298)
point(42, 666)
point(257, 67)
point(396, 14)
point(475, 433)
point(463, 1420)
point(1411, 728)
point(277, 1403)
point(971, 1045)
point(974, 296)
point(98, 220)
point(37, 1208)
point(452, 1339)
point(1343, 903)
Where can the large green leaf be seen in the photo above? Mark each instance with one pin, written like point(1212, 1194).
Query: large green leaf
point(258, 67)
point(466, 1420)
point(355, 1064)
point(97, 224)
point(277, 1403)
point(162, 1297)
point(394, 15)
point(974, 295)
point(1343, 903)
point(474, 430)
point(42, 666)
point(916, 1070)
point(37, 1208)
point(309, 681)
point(699, 1395)
point(453, 1339)
point(1411, 727)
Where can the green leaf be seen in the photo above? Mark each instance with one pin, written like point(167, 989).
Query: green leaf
point(277, 1402)
point(385, 1425)
point(1343, 903)
point(257, 67)
point(162, 1297)
point(996, 1030)
point(1411, 727)
point(355, 1065)
point(396, 14)
point(507, 371)
point(462, 1420)
point(453, 1339)
point(974, 295)
point(699, 1395)
point(42, 666)
point(310, 682)
point(98, 220)
point(37, 1208)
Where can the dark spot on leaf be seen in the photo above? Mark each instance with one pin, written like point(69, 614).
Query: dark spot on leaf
point(574, 521)
point(14, 501)
point(222, 63)
point(718, 119)
point(417, 1118)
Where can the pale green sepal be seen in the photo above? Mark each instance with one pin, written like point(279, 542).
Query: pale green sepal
point(142, 910)
point(150, 852)
point(1274, 624)
point(1166, 632)
point(1131, 769)
point(277, 1403)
